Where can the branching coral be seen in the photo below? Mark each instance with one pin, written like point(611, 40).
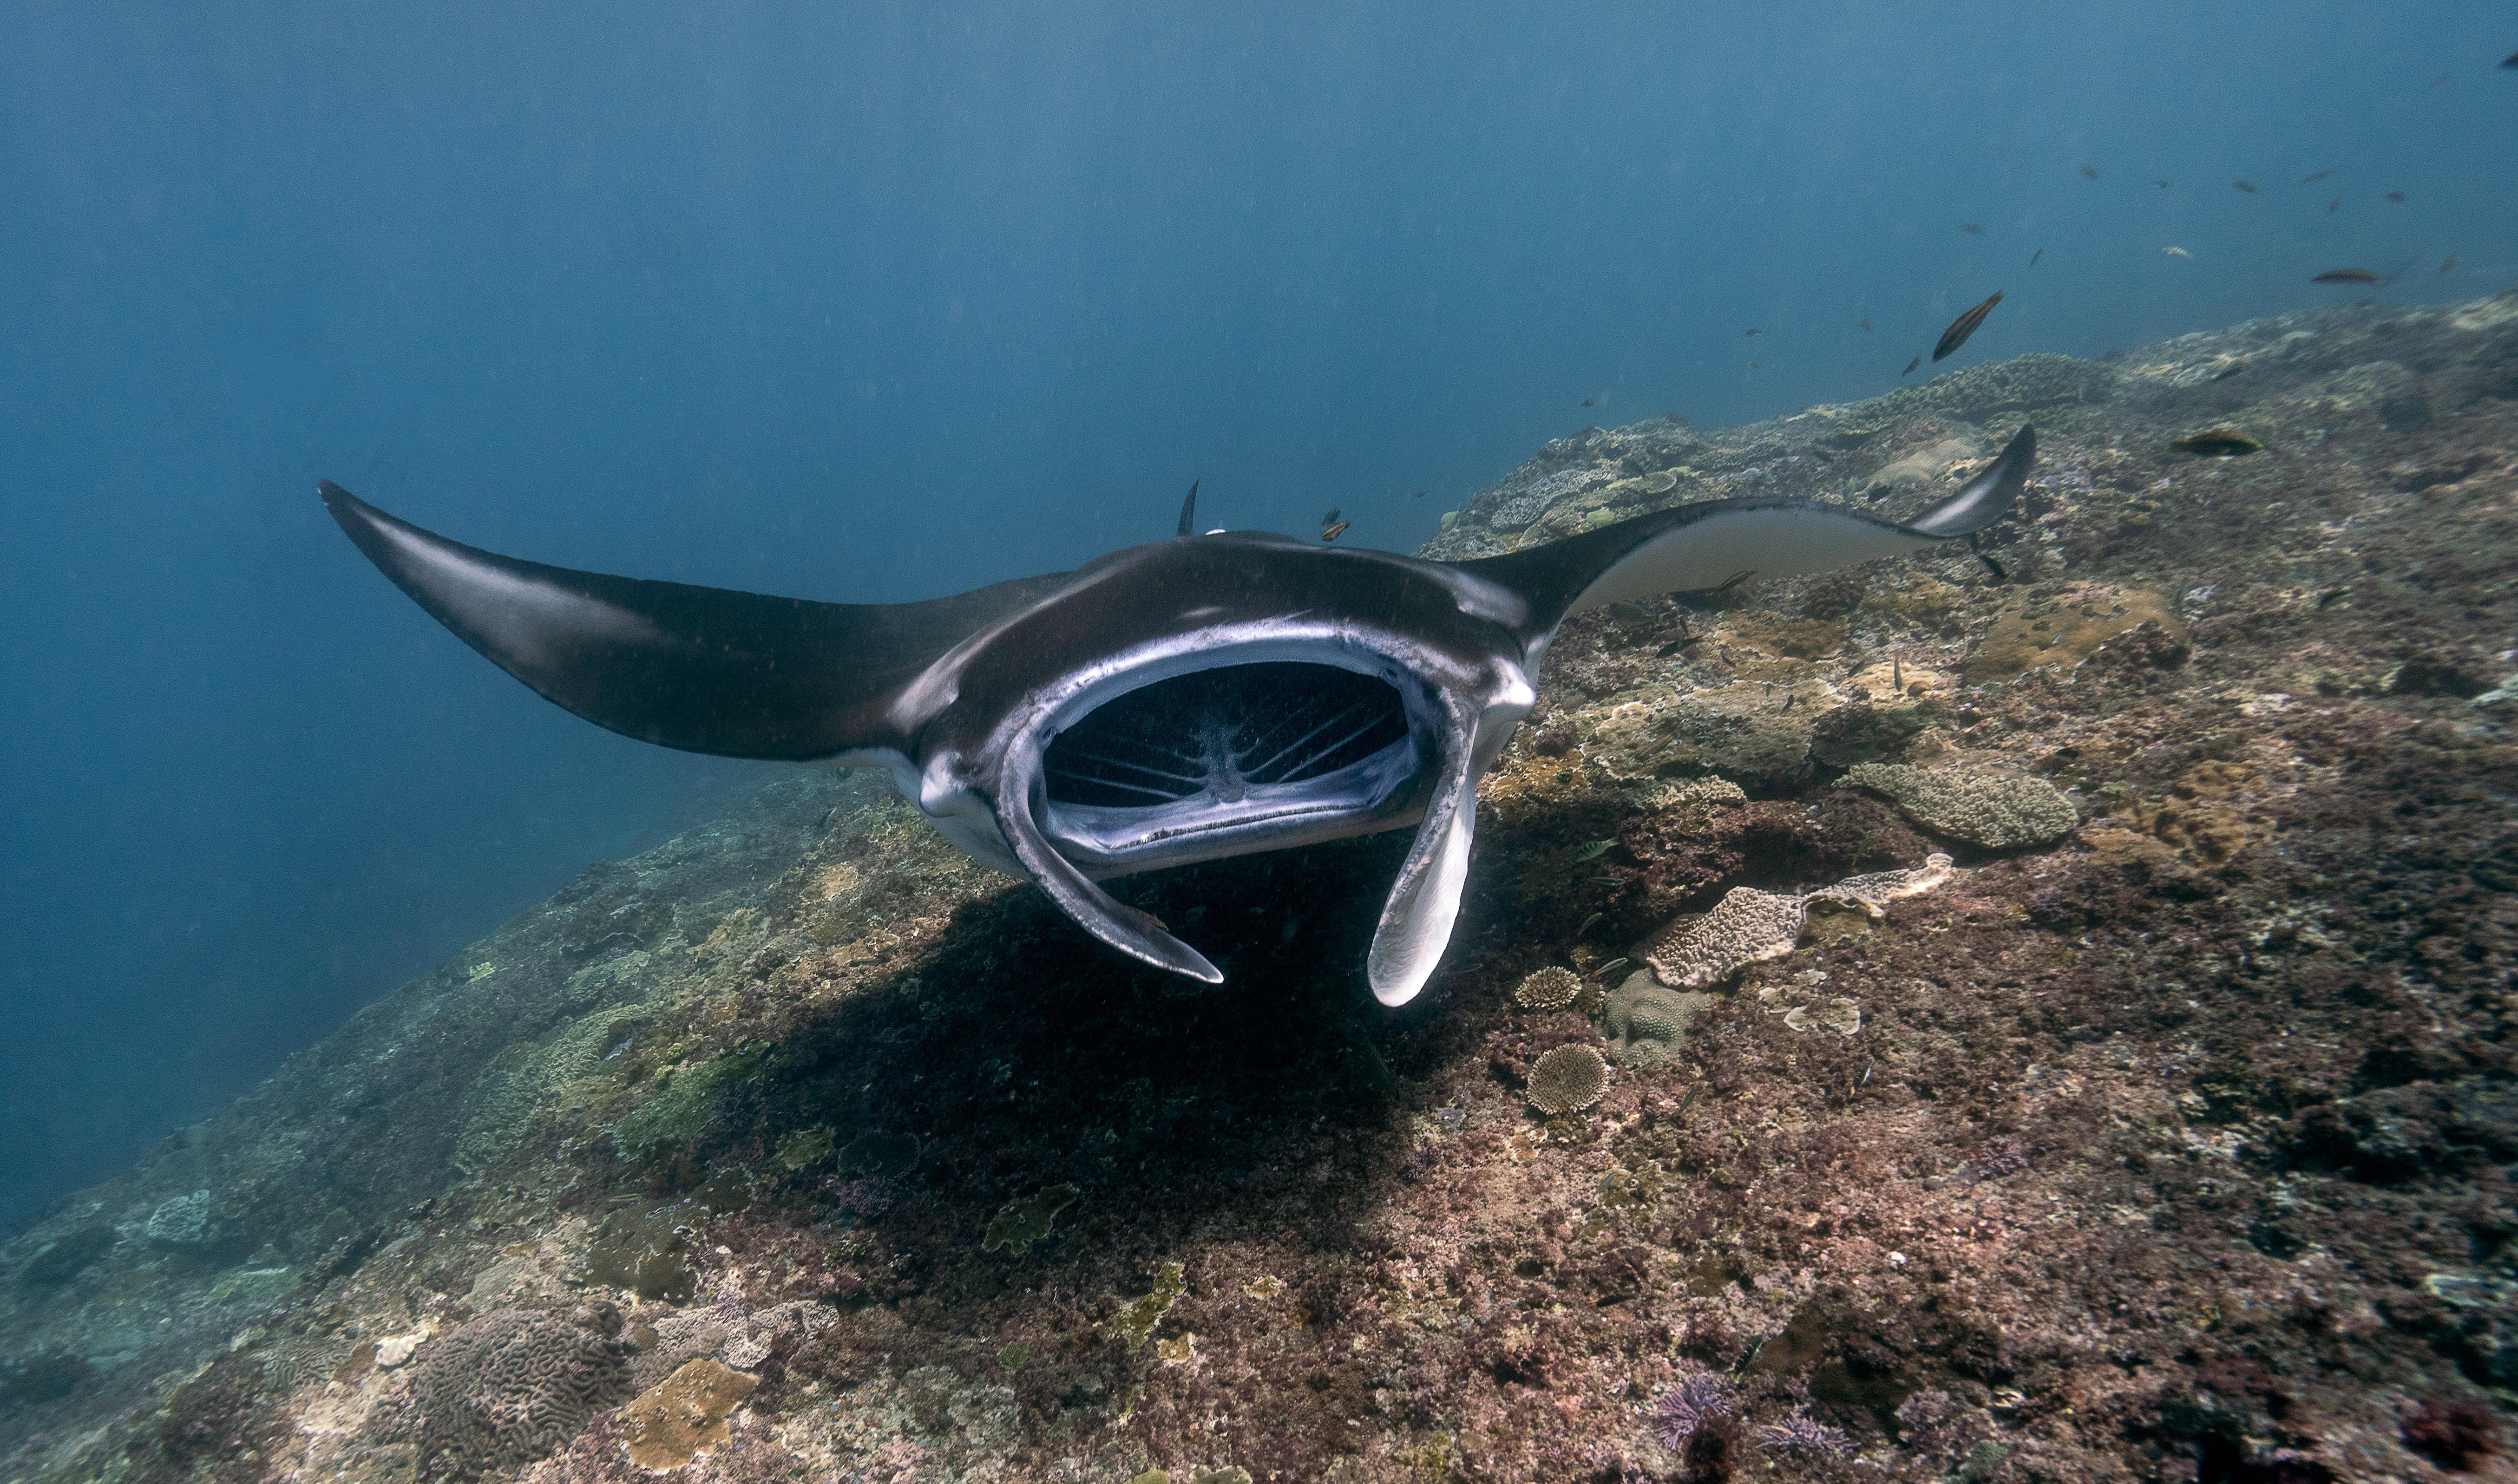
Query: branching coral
point(1549, 989)
point(1567, 1079)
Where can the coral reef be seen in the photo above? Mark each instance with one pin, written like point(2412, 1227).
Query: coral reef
point(1549, 989)
point(1568, 1079)
point(2175, 1145)
point(664, 1426)
point(1993, 812)
point(507, 1388)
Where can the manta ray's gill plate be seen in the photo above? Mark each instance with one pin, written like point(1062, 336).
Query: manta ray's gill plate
point(1219, 734)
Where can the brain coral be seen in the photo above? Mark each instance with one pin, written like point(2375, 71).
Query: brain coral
point(1549, 989)
point(1645, 1023)
point(507, 1388)
point(1568, 1079)
point(1996, 813)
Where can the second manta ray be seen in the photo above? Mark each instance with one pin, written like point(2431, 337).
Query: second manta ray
point(1184, 700)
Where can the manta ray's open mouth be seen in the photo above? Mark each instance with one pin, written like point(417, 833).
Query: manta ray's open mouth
point(1295, 751)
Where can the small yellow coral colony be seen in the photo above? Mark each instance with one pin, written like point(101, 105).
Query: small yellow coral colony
point(1549, 989)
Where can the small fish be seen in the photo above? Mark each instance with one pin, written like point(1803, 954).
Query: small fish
point(1963, 326)
point(1972, 228)
point(1594, 850)
point(2440, 81)
point(2325, 599)
point(2336, 204)
point(2092, 174)
point(2177, 252)
point(2220, 443)
point(2311, 180)
point(1910, 366)
point(2449, 266)
point(2347, 276)
point(1331, 519)
point(1632, 611)
point(1993, 567)
point(1736, 578)
point(2510, 63)
point(1610, 967)
point(1752, 365)
point(1866, 324)
point(1586, 401)
point(2249, 186)
point(2396, 196)
point(1683, 641)
point(1334, 529)
point(1589, 924)
point(2162, 185)
point(2034, 256)
point(1747, 333)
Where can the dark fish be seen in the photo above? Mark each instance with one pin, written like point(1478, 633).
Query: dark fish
point(2162, 185)
point(1594, 850)
point(1747, 333)
point(2441, 80)
point(1633, 613)
point(1586, 401)
point(1971, 227)
point(2034, 256)
point(1736, 578)
point(2449, 266)
point(1331, 519)
point(2347, 276)
point(2324, 599)
point(1963, 326)
point(2335, 204)
point(1866, 324)
point(2092, 174)
point(2396, 195)
point(2510, 62)
point(1420, 494)
point(1911, 364)
point(1334, 529)
point(2220, 443)
point(1752, 365)
point(2244, 185)
point(2311, 180)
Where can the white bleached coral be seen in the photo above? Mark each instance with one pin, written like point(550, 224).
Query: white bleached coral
point(1749, 926)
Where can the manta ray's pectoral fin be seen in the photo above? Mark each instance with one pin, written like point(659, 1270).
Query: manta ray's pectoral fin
point(699, 668)
point(1417, 921)
point(1693, 548)
point(1137, 934)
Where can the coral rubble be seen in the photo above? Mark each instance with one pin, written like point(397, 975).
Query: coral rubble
point(2172, 1138)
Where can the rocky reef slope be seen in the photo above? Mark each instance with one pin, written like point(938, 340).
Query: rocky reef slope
point(2163, 1130)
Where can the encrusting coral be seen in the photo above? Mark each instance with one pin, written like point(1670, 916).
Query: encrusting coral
point(1749, 926)
point(686, 1413)
point(1996, 813)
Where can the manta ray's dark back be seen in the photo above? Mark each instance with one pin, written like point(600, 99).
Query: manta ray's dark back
point(1186, 700)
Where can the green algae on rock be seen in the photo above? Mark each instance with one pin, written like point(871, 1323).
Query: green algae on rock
point(1993, 812)
point(1021, 1223)
point(1135, 1324)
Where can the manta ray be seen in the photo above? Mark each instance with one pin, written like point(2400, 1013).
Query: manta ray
point(1212, 694)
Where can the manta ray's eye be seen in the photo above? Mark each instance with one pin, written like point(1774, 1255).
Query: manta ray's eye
point(1219, 735)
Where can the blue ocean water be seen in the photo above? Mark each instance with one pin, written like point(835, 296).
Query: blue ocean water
point(871, 303)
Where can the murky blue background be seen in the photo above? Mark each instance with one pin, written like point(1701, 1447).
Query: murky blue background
point(857, 303)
